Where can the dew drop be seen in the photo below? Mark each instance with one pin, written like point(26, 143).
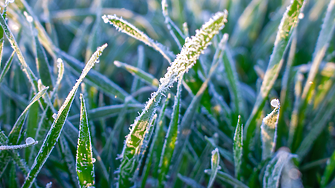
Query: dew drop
point(54, 116)
point(275, 103)
point(301, 16)
point(30, 141)
point(93, 160)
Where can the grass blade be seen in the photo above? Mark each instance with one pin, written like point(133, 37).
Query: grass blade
point(57, 126)
point(328, 171)
point(269, 130)
point(7, 66)
point(132, 31)
point(146, 77)
point(84, 162)
point(184, 61)
point(228, 179)
point(274, 169)
point(189, 181)
point(215, 164)
point(285, 30)
point(170, 139)
point(238, 147)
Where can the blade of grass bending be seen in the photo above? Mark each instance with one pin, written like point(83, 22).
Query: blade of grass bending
point(41, 59)
point(84, 160)
point(184, 61)
point(228, 179)
point(322, 44)
point(190, 182)
point(132, 31)
point(156, 146)
point(16, 131)
point(95, 78)
point(328, 171)
point(269, 130)
point(57, 126)
point(274, 169)
point(238, 147)
point(68, 160)
point(146, 77)
point(24, 66)
point(7, 66)
point(215, 166)
point(170, 139)
point(287, 25)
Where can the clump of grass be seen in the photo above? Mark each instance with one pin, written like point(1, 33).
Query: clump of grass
point(133, 128)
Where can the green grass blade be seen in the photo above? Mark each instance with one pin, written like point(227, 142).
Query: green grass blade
point(228, 179)
point(274, 169)
point(322, 44)
point(31, 127)
point(184, 61)
point(238, 147)
point(7, 66)
point(156, 146)
point(288, 24)
point(57, 126)
point(170, 139)
point(84, 162)
point(16, 131)
point(328, 171)
point(132, 31)
point(13, 177)
point(146, 77)
point(215, 164)
point(269, 130)
point(42, 61)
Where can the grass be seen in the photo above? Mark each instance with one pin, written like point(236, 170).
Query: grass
point(202, 93)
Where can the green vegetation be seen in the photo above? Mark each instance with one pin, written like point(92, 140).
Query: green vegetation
point(173, 93)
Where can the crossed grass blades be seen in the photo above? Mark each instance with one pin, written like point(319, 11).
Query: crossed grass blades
point(210, 130)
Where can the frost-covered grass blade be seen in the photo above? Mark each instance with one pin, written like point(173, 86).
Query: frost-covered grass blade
point(215, 166)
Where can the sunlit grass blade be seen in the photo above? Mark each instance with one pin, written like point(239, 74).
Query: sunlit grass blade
point(57, 126)
point(184, 61)
point(146, 77)
point(170, 139)
point(228, 179)
point(328, 171)
point(322, 44)
point(84, 162)
point(274, 169)
point(190, 182)
point(16, 131)
point(285, 30)
point(269, 130)
point(7, 66)
point(238, 147)
point(156, 146)
point(215, 164)
point(132, 31)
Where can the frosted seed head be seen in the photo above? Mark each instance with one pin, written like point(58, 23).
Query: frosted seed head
point(275, 103)
point(30, 141)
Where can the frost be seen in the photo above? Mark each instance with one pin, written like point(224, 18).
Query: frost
point(30, 141)
point(275, 103)
point(28, 17)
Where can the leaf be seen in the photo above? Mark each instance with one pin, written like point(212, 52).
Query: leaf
point(238, 147)
point(274, 169)
point(170, 139)
point(7, 66)
point(215, 164)
point(328, 171)
point(228, 179)
point(269, 130)
point(146, 77)
point(285, 30)
point(57, 126)
point(184, 61)
point(84, 162)
point(156, 146)
point(132, 31)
